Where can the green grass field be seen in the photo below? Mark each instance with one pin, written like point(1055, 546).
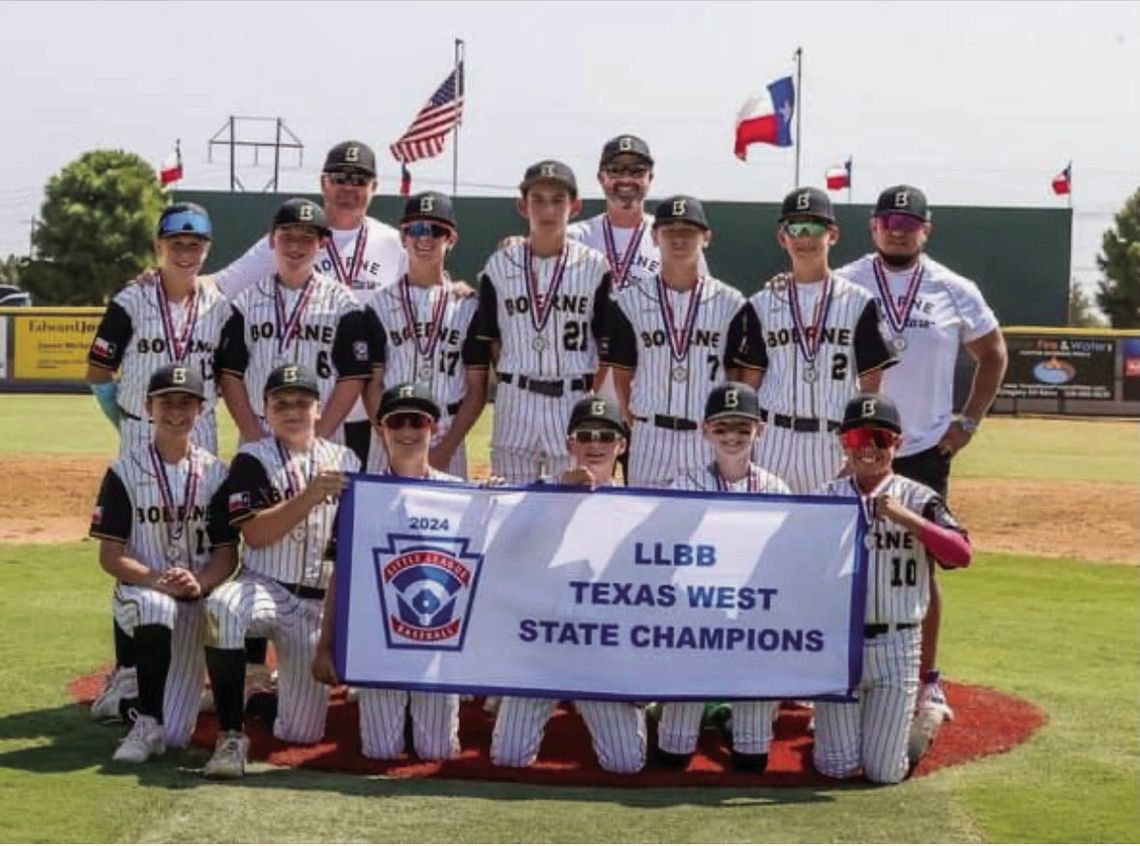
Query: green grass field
point(1062, 634)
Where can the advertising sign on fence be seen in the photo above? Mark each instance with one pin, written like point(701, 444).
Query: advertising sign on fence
point(1049, 366)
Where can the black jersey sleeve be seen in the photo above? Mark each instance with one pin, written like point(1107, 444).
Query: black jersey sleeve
point(218, 527)
point(600, 319)
point(111, 519)
point(248, 489)
point(476, 351)
point(871, 350)
point(350, 352)
point(936, 511)
point(621, 350)
point(232, 354)
point(111, 338)
point(487, 318)
point(377, 338)
point(745, 346)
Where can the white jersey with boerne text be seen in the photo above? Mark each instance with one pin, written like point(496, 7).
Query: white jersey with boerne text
point(898, 566)
point(364, 258)
point(929, 312)
point(267, 472)
point(756, 480)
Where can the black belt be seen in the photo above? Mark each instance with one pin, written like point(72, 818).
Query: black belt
point(677, 424)
point(876, 629)
point(548, 388)
point(453, 409)
point(800, 424)
point(303, 591)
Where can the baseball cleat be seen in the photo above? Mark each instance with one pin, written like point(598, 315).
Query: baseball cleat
point(121, 683)
point(932, 698)
point(922, 731)
point(146, 738)
point(673, 760)
point(746, 762)
point(228, 760)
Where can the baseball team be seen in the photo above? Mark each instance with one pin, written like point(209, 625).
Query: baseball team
point(340, 344)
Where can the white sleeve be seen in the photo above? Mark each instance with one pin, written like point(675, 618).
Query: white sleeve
point(978, 318)
point(577, 231)
point(257, 263)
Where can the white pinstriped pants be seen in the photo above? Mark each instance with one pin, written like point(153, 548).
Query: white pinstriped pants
point(657, 455)
point(528, 433)
point(137, 434)
point(133, 606)
point(871, 734)
point(805, 460)
point(435, 723)
point(680, 726)
point(256, 606)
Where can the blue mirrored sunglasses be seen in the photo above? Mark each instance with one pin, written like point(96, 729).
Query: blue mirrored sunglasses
point(185, 223)
point(422, 229)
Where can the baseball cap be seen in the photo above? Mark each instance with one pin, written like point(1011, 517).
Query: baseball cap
point(408, 396)
point(625, 144)
point(351, 155)
point(596, 410)
point(871, 410)
point(430, 205)
point(683, 208)
point(902, 199)
point(807, 202)
point(176, 379)
point(185, 219)
point(299, 211)
point(732, 399)
point(550, 170)
point(292, 377)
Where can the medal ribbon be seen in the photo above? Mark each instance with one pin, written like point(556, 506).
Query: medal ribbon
point(348, 275)
point(288, 326)
point(679, 341)
point(166, 493)
point(177, 344)
point(540, 314)
point(435, 327)
point(809, 345)
point(620, 266)
point(295, 482)
point(897, 317)
point(722, 484)
point(867, 501)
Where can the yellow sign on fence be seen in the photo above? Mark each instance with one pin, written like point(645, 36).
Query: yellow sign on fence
point(51, 343)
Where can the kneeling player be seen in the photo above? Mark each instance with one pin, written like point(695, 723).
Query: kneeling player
point(909, 527)
point(164, 538)
point(597, 436)
point(406, 421)
point(282, 496)
point(732, 424)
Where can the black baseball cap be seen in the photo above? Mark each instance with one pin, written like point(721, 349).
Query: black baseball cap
point(732, 399)
point(550, 170)
point(630, 144)
point(292, 377)
point(873, 411)
point(902, 199)
point(176, 379)
point(408, 396)
point(351, 155)
point(596, 410)
point(681, 207)
point(430, 205)
point(185, 219)
point(807, 202)
point(301, 212)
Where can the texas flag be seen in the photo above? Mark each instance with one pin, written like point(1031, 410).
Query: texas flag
point(1063, 181)
point(171, 168)
point(767, 118)
point(839, 177)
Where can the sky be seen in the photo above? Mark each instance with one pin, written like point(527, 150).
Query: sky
point(976, 103)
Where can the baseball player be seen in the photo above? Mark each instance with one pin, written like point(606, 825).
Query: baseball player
point(930, 313)
point(423, 333)
point(160, 522)
point(282, 496)
point(908, 528)
point(808, 340)
point(731, 426)
point(295, 316)
point(597, 435)
point(360, 253)
point(169, 317)
point(543, 302)
point(669, 345)
point(407, 418)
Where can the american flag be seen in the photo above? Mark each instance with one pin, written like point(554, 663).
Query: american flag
point(425, 137)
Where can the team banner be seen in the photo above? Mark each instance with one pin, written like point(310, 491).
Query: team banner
point(617, 594)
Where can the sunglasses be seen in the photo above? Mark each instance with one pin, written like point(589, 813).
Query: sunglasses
point(899, 222)
point(344, 177)
point(400, 419)
point(635, 170)
point(601, 436)
point(185, 223)
point(422, 229)
point(865, 437)
point(810, 228)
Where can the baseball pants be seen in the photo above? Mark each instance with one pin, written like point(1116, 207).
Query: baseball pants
point(805, 460)
point(435, 723)
point(657, 455)
point(135, 433)
point(617, 731)
point(528, 434)
point(680, 726)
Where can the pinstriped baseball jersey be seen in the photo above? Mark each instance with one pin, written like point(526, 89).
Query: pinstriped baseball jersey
point(264, 473)
point(321, 325)
point(757, 480)
point(898, 575)
point(640, 263)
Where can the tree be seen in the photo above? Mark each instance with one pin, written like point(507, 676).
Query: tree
point(12, 269)
point(1118, 295)
point(1081, 308)
point(96, 230)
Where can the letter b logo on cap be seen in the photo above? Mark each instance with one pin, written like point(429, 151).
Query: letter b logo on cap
point(598, 408)
point(305, 212)
point(625, 144)
point(547, 170)
point(352, 154)
point(868, 409)
point(178, 375)
point(678, 208)
point(731, 398)
point(290, 375)
point(803, 201)
point(427, 204)
point(407, 391)
point(902, 199)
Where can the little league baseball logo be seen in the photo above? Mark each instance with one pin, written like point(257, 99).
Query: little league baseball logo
point(427, 587)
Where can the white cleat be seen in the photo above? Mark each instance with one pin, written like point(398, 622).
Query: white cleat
point(146, 738)
point(932, 710)
point(122, 683)
point(228, 760)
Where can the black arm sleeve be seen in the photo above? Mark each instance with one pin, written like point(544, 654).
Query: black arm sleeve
point(377, 337)
point(622, 347)
point(247, 489)
point(111, 338)
point(937, 512)
point(232, 355)
point(476, 351)
point(350, 346)
point(746, 340)
point(218, 526)
point(487, 318)
point(871, 350)
point(600, 320)
point(111, 519)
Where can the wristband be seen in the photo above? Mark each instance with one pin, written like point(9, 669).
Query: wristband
point(106, 395)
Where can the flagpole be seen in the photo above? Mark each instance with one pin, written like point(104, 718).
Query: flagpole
point(1069, 170)
point(799, 107)
point(850, 170)
point(459, 55)
point(178, 161)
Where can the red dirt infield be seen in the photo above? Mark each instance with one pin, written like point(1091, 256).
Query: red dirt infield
point(986, 723)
